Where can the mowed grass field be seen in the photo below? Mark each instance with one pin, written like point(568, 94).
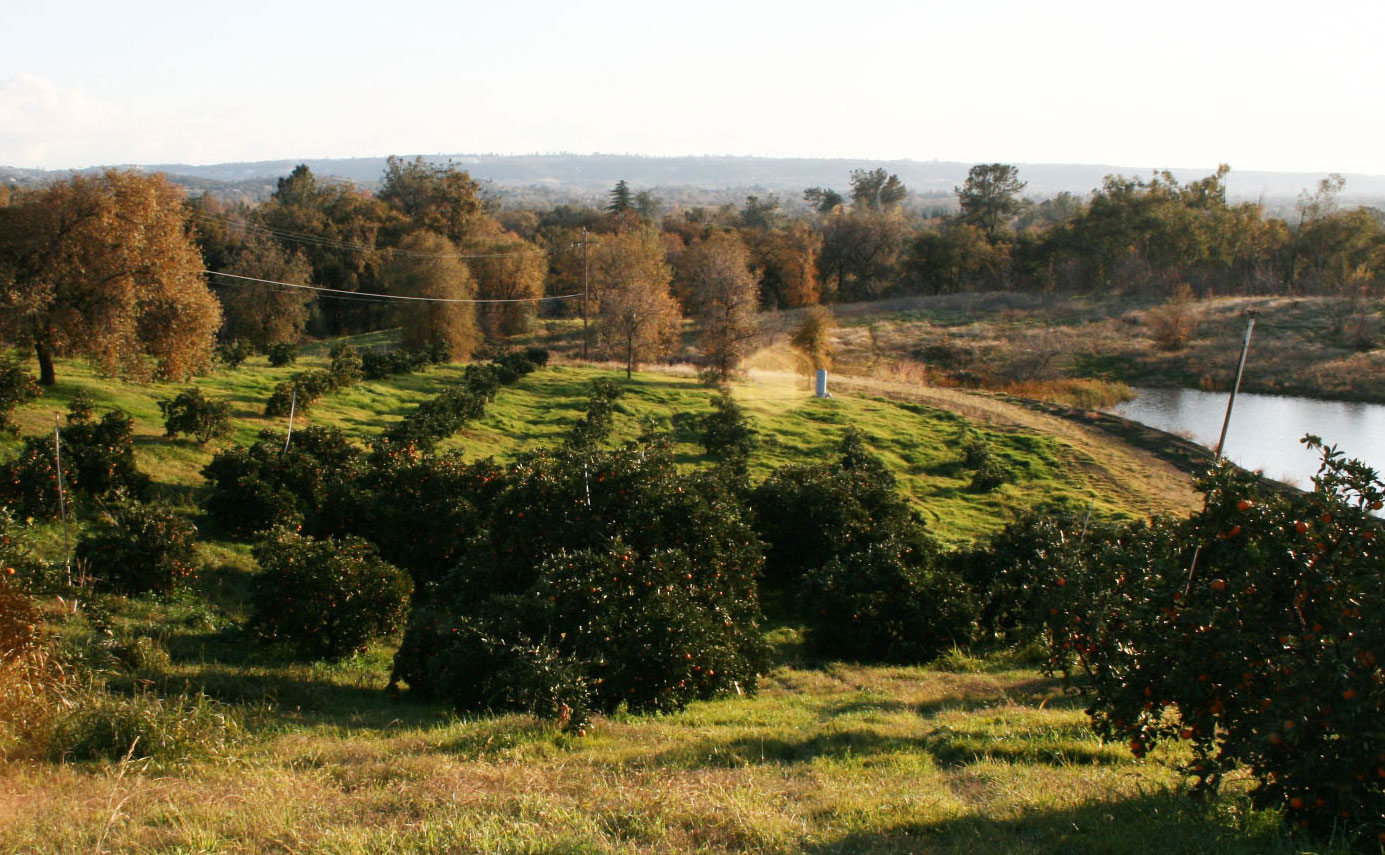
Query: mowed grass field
point(975, 753)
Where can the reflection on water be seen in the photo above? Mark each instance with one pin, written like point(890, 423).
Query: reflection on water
point(1265, 429)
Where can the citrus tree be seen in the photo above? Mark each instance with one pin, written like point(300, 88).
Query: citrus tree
point(1254, 631)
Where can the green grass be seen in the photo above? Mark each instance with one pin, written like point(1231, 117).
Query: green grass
point(980, 753)
point(827, 758)
point(918, 442)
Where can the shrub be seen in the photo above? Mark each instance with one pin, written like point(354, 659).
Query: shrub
point(256, 488)
point(190, 412)
point(977, 454)
point(81, 407)
point(418, 509)
point(595, 427)
point(283, 353)
point(1173, 323)
point(510, 367)
point(347, 367)
point(1267, 656)
point(727, 435)
point(594, 580)
point(1013, 576)
point(16, 387)
point(325, 599)
point(299, 393)
point(98, 459)
point(379, 364)
point(886, 602)
point(141, 548)
point(17, 561)
point(444, 414)
point(809, 514)
point(233, 354)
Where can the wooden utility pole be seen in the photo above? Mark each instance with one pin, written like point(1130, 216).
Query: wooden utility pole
point(584, 293)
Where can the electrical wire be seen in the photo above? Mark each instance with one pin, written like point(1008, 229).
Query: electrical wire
point(359, 294)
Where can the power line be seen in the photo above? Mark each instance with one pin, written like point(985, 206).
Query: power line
point(359, 294)
point(328, 243)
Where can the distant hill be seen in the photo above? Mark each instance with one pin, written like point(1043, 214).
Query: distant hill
point(574, 177)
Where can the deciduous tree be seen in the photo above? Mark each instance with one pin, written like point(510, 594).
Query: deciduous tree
point(786, 261)
point(105, 267)
point(990, 196)
point(724, 298)
point(876, 190)
point(437, 198)
point(261, 313)
point(507, 269)
point(638, 317)
point(429, 266)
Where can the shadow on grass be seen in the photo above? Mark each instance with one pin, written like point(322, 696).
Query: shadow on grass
point(295, 696)
point(785, 750)
point(1151, 824)
point(1009, 742)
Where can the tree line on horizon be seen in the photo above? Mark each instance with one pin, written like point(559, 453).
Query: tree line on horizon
point(110, 266)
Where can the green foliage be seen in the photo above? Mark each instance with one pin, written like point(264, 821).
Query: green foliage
point(105, 726)
point(595, 427)
point(233, 354)
point(379, 364)
point(81, 407)
point(444, 414)
point(16, 387)
point(889, 601)
point(1014, 575)
point(140, 548)
point(727, 435)
point(347, 367)
point(283, 353)
point(1268, 656)
point(990, 196)
point(98, 459)
point(262, 486)
point(977, 454)
point(18, 563)
point(595, 579)
point(418, 509)
point(193, 413)
point(809, 514)
point(299, 393)
point(325, 599)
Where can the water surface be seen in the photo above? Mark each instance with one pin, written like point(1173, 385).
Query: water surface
point(1265, 429)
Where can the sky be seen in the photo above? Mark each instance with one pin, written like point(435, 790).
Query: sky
point(1267, 85)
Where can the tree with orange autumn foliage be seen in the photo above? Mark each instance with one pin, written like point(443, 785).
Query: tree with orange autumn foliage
point(105, 267)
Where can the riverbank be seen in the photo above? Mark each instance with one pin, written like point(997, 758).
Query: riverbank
point(1317, 347)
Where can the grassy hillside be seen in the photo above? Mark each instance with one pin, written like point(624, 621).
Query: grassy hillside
point(917, 435)
point(262, 755)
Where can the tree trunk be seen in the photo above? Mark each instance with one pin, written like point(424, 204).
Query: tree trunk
point(46, 376)
point(629, 356)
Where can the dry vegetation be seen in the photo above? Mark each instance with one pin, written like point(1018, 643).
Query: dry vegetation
point(1032, 344)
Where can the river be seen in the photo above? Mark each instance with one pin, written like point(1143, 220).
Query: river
point(1265, 429)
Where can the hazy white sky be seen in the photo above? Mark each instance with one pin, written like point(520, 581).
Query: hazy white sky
point(1261, 85)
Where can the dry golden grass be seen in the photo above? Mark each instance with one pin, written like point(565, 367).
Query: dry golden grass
point(841, 758)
